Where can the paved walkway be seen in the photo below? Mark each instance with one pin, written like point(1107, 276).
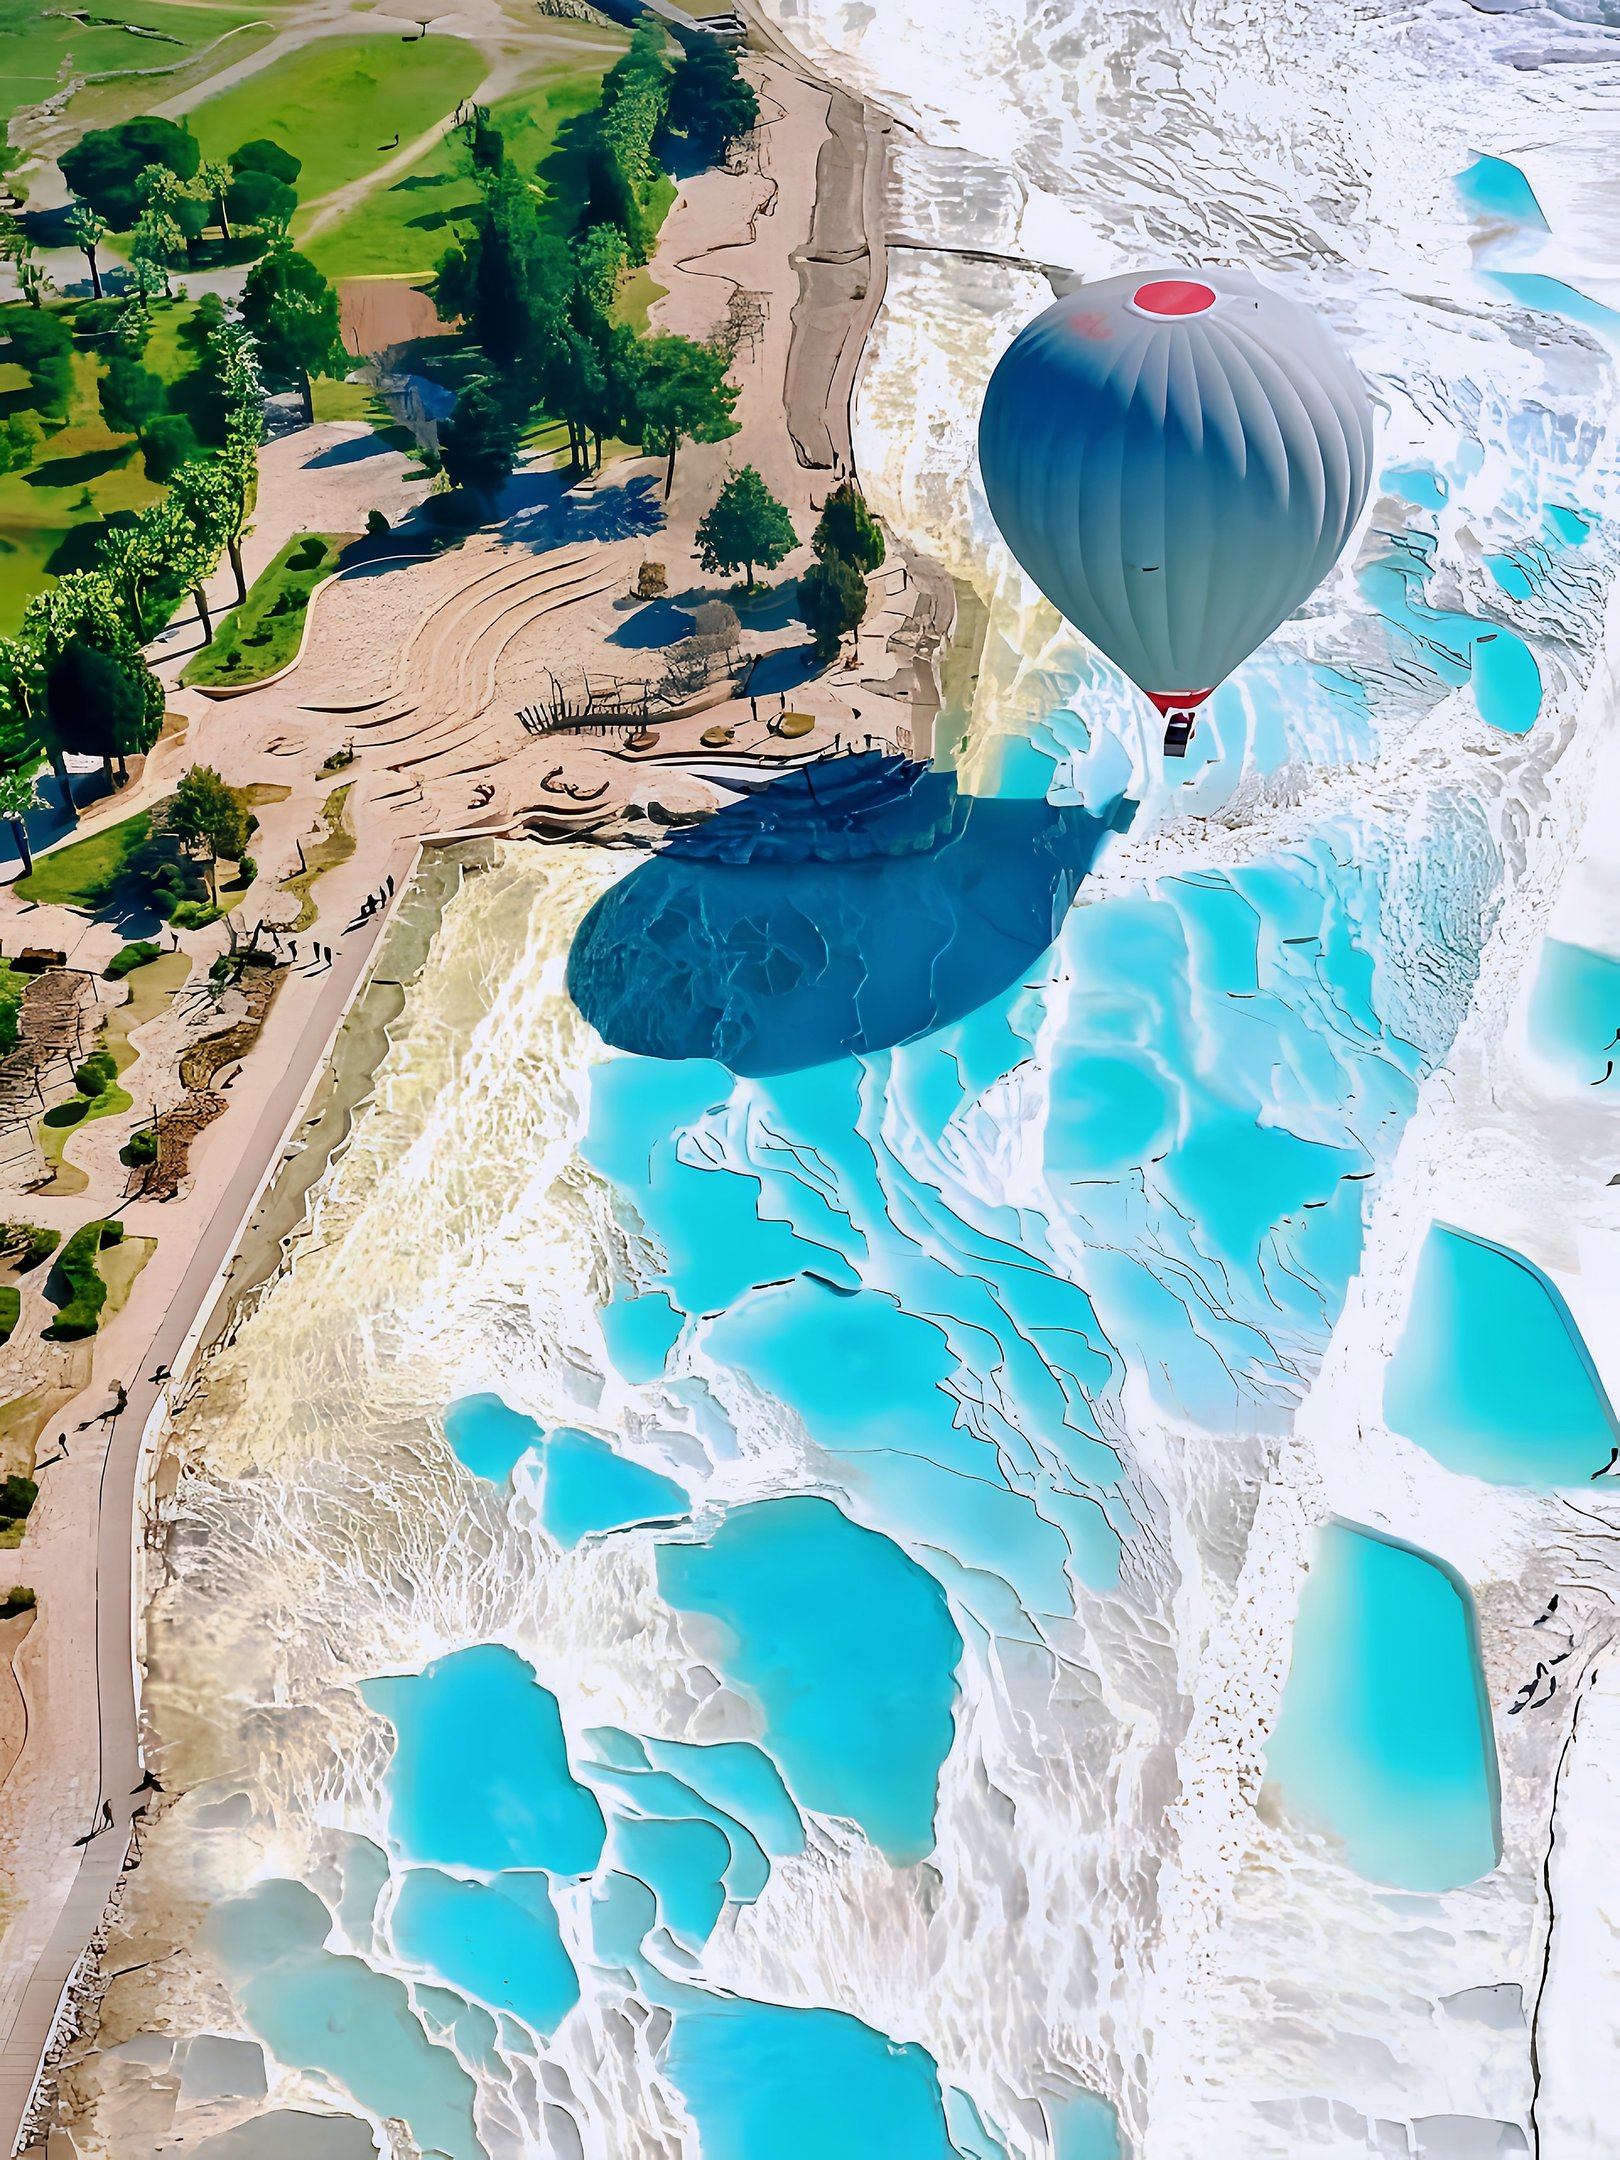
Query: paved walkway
point(111, 1458)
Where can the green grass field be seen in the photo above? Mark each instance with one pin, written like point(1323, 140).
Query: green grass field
point(403, 229)
point(50, 513)
point(40, 52)
point(265, 630)
point(338, 103)
point(83, 873)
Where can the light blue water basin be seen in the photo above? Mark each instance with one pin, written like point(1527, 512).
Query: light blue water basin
point(497, 1942)
point(1574, 1013)
point(683, 1864)
point(1419, 485)
point(1085, 2127)
point(480, 1774)
point(1554, 297)
point(589, 1488)
point(1491, 1375)
point(1496, 662)
point(803, 2085)
point(1493, 188)
point(849, 1649)
point(641, 1332)
point(1384, 1739)
point(324, 2012)
point(488, 1435)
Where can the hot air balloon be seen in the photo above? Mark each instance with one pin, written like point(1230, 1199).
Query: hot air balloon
point(1177, 461)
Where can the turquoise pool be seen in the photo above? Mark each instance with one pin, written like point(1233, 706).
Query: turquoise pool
point(1384, 1740)
point(1491, 1374)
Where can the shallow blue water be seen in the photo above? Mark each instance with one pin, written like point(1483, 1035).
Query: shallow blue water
point(1454, 648)
point(480, 1776)
point(1085, 2128)
point(803, 2085)
point(640, 1332)
point(319, 2011)
point(1574, 1014)
point(1491, 1374)
point(804, 1595)
point(488, 1435)
point(1384, 1739)
point(497, 1942)
point(1554, 297)
point(589, 1487)
point(1495, 189)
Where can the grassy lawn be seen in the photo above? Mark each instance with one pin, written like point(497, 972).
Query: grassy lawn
point(403, 229)
point(326, 854)
point(52, 513)
point(41, 51)
point(263, 633)
point(151, 988)
point(84, 872)
point(357, 401)
point(338, 103)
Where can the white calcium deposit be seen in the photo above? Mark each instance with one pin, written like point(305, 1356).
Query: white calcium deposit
point(1114, 1903)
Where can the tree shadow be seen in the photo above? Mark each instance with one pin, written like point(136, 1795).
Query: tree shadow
point(654, 626)
point(542, 514)
point(784, 669)
point(352, 450)
point(66, 472)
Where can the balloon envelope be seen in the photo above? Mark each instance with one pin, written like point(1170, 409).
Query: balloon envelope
point(1177, 461)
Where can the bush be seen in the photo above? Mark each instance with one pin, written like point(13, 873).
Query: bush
point(377, 524)
point(130, 957)
point(194, 914)
point(652, 581)
point(337, 761)
point(37, 1243)
point(17, 1601)
point(10, 1314)
point(246, 870)
point(17, 1496)
point(140, 1150)
point(75, 1286)
point(97, 1074)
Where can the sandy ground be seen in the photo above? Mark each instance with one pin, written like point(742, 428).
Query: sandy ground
point(422, 666)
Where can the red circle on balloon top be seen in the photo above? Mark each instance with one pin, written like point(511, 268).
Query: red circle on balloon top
point(1173, 296)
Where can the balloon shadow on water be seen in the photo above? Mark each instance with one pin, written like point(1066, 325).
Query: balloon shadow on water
point(846, 908)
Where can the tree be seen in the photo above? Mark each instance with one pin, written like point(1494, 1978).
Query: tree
point(621, 166)
point(260, 199)
point(292, 312)
point(22, 703)
point(711, 102)
point(681, 394)
point(168, 443)
point(846, 527)
point(601, 256)
point(172, 217)
point(99, 705)
point(131, 395)
point(832, 600)
point(509, 279)
point(87, 231)
point(746, 526)
point(213, 183)
point(262, 155)
point(20, 438)
point(209, 502)
point(105, 165)
point(42, 344)
point(19, 793)
point(479, 442)
point(209, 819)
